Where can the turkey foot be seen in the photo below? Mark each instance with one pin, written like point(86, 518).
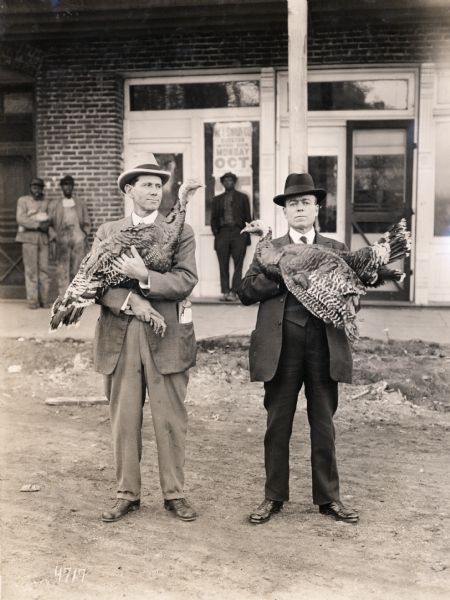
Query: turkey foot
point(157, 322)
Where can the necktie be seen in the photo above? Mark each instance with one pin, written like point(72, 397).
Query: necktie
point(304, 239)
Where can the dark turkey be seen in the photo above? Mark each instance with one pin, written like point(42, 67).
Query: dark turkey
point(156, 243)
point(329, 282)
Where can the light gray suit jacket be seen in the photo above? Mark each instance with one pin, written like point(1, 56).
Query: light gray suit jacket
point(176, 351)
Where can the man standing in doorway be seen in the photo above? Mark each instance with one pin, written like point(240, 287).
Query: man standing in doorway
point(290, 347)
point(33, 224)
point(230, 212)
point(135, 360)
point(71, 224)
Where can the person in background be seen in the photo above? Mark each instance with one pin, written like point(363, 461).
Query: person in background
point(33, 224)
point(230, 212)
point(70, 226)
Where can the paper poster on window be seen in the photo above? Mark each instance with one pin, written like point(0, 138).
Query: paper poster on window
point(232, 151)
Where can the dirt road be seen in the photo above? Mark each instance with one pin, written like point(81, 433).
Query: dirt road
point(392, 453)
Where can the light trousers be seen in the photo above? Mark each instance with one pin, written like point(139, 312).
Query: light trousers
point(126, 388)
point(35, 263)
point(68, 259)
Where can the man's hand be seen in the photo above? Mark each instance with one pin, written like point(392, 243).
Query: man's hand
point(132, 267)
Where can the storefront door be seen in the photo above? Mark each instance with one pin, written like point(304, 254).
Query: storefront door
point(197, 143)
point(16, 170)
point(379, 188)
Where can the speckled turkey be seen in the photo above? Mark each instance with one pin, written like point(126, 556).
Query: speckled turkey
point(156, 243)
point(329, 282)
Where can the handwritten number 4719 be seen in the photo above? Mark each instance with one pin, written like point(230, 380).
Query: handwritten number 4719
point(69, 574)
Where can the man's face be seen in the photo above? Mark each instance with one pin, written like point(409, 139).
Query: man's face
point(146, 194)
point(301, 212)
point(228, 183)
point(37, 191)
point(67, 189)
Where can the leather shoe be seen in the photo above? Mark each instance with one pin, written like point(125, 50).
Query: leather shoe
point(265, 510)
point(182, 509)
point(120, 509)
point(339, 512)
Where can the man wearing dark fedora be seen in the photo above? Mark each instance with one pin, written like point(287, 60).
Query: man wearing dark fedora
point(230, 212)
point(134, 360)
point(290, 347)
point(70, 226)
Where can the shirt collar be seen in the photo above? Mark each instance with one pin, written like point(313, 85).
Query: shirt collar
point(68, 202)
point(148, 220)
point(295, 235)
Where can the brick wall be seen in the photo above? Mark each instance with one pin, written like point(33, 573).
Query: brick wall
point(358, 41)
point(79, 85)
point(79, 100)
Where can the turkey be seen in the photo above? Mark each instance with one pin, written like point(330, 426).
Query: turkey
point(156, 243)
point(329, 282)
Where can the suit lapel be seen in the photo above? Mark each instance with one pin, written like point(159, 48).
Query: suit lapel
point(285, 240)
point(323, 241)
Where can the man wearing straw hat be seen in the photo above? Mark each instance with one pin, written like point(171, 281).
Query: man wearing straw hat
point(135, 360)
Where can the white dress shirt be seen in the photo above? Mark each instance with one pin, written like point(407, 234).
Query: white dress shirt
point(296, 235)
point(148, 220)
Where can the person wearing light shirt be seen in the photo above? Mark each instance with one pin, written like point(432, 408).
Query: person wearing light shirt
point(291, 347)
point(135, 360)
point(70, 226)
point(33, 233)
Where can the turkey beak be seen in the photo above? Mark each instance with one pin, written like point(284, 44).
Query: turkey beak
point(245, 230)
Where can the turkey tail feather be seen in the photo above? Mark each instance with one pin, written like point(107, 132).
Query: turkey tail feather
point(66, 314)
point(399, 240)
point(384, 275)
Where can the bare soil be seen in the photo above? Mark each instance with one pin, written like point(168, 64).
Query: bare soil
point(393, 445)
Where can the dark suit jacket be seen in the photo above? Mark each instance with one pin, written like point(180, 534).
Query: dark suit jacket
point(265, 341)
point(241, 212)
point(176, 351)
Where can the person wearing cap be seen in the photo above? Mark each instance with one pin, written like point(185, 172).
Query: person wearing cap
point(230, 211)
point(291, 347)
point(70, 226)
point(33, 224)
point(134, 359)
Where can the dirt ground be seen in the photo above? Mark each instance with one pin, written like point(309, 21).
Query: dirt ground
point(393, 446)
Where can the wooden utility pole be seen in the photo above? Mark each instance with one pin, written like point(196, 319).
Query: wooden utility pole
point(298, 98)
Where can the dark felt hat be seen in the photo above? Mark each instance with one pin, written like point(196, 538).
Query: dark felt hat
point(150, 168)
point(229, 174)
point(299, 184)
point(67, 179)
point(37, 181)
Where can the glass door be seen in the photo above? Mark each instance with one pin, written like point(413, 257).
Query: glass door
point(379, 189)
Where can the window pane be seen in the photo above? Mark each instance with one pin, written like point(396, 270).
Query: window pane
point(324, 172)
point(18, 103)
point(387, 94)
point(442, 197)
point(378, 178)
point(232, 147)
point(176, 96)
point(378, 189)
